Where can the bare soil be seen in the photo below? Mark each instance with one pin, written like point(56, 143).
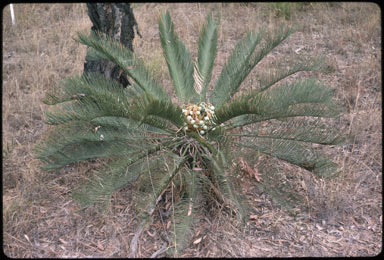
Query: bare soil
point(343, 216)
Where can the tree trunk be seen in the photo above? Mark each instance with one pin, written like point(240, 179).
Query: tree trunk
point(117, 21)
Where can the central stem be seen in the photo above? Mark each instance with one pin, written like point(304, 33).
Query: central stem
point(202, 141)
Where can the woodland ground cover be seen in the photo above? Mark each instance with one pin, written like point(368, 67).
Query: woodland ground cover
point(344, 216)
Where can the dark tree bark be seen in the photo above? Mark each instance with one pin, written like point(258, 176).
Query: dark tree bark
point(117, 21)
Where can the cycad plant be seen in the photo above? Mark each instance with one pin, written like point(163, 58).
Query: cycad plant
point(186, 147)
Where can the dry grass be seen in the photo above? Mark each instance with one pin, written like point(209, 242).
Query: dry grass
point(345, 216)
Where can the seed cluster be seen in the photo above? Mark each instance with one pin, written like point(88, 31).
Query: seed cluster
point(199, 117)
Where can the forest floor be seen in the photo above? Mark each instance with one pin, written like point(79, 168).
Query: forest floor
point(343, 216)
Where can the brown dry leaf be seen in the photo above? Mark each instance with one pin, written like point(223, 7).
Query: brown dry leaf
point(197, 241)
point(100, 246)
point(247, 169)
point(256, 174)
point(63, 241)
point(26, 237)
point(246, 185)
point(151, 234)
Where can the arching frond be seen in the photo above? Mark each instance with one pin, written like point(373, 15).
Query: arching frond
point(184, 213)
point(279, 72)
point(80, 86)
point(242, 60)
point(225, 184)
point(302, 98)
point(97, 99)
point(153, 196)
point(104, 182)
point(298, 130)
point(166, 110)
point(179, 60)
point(207, 50)
point(296, 153)
point(234, 71)
point(198, 80)
point(281, 185)
point(126, 169)
point(76, 141)
point(127, 61)
point(132, 125)
point(86, 109)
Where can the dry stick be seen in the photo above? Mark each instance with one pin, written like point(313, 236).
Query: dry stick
point(160, 251)
point(165, 244)
point(135, 239)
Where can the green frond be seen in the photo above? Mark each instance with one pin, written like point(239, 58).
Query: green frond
point(80, 140)
point(207, 50)
point(96, 98)
point(149, 106)
point(225, 184)
point(109, 178)
point(127, 168)
point(281, 185)
point(132, 125)
point(79, 86)
point(127, 61)
point(296, 153)
point(302, 98)
point(235, 70)
point(242, 105)
point(306, 91)
point(242, 60)
point(77, 141)
point(184, 213)
point(75, 153)
point(179, 60)
point(87, 109)
point(85, 98)
point(153, 196)
point(298, 130)
point(272, 40)
point(150, 146)
point(280, 72)
point(72, 143)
